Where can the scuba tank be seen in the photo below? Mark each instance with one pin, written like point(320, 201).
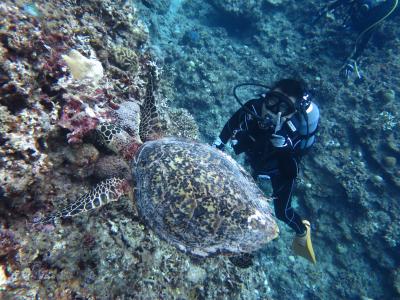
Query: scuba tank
point(306, 124)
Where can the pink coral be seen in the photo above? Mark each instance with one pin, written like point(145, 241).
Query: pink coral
point(76, 118)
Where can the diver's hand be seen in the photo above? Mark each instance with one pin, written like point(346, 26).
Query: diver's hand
point(279, 122)
point(278, 140)
point(218, 144)
point(349, 68)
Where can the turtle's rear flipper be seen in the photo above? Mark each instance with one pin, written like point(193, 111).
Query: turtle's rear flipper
point(243, 261)
point(106, 191)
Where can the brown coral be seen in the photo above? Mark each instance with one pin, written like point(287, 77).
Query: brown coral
point(181, 123)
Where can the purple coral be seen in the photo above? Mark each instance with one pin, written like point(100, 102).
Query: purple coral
point(8, 243)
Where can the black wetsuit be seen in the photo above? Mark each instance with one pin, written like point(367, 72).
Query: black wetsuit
point(280, 164)
point(365, 16)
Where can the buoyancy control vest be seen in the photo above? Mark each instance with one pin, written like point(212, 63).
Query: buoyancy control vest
point(302, 126)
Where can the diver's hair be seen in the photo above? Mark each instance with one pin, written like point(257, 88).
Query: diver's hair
point(291, 87)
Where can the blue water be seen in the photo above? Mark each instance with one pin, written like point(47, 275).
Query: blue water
point(353, 213)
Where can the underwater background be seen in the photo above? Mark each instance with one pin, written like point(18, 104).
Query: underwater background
point(188, 55)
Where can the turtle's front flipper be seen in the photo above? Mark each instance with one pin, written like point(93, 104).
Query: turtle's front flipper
point(106, 191)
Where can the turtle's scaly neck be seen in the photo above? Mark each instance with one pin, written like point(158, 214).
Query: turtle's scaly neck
point(118, 140)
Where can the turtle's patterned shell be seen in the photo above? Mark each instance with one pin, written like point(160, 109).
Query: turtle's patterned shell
point(199, 199)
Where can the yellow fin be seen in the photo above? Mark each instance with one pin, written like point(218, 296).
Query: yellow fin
point(304, 249)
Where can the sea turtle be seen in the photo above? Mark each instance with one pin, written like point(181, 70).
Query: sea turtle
point(192, 195)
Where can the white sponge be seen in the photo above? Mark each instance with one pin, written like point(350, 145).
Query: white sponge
point(82, 67)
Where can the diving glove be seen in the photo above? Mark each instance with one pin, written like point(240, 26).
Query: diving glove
point(349, 68)
point(302, 245)
point(218, 144)
point(278, 141)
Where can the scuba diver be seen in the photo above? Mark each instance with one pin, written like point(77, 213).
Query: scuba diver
point(365, 16)
point(275, 131)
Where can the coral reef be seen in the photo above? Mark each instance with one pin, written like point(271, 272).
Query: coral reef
point(250, 10)
point(161, 6)
point(125, 58)
point(64, 68)
point(182, 124)
point(8, 244)
point(111, 166)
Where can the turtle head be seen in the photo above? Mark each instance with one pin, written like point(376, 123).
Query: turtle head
point(118, 140)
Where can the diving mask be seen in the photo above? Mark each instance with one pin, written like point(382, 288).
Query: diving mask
point(276, 102)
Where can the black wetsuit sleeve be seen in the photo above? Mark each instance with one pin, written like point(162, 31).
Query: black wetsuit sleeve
point(232, 124)
point(236, 119)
